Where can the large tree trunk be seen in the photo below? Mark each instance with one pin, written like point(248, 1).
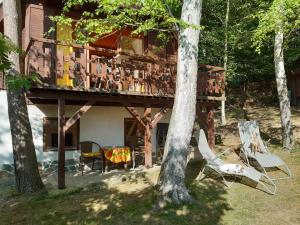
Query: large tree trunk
point(285, 111)
point(172, 175)
point(223, 112)
point(26, 169)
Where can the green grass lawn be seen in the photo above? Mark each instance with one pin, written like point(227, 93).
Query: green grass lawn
point(216, 204)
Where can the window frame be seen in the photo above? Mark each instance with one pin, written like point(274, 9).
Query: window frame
point(47, 148)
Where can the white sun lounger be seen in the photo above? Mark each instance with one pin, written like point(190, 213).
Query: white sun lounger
point(264, 159)
point(215, 163)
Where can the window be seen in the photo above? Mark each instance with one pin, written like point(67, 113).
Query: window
point(50, 128)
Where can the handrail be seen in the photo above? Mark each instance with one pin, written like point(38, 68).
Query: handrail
point(91, 73)
point(99, 49)
point(51, 41)
point(115, 52)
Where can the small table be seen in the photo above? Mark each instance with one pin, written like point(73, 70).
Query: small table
point(116, 154)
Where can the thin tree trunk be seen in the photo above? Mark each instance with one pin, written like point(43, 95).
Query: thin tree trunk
point(26, 169)
point(223, 112)
point(285, 111)
point(172, 175)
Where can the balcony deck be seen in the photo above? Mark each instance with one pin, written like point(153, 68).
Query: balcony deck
point(65, 68)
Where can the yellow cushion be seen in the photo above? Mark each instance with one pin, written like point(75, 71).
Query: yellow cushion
point(91, 154)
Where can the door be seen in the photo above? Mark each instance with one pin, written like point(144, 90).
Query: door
point(161, 136)
point(133, 134)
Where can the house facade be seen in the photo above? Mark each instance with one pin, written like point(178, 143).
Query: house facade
point(108, 91)
point(293, 82)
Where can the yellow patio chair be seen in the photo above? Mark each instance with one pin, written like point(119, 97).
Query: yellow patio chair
point(90, 152)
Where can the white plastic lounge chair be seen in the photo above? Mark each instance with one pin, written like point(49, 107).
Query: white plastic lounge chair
point(216, 164)
point(264, 159)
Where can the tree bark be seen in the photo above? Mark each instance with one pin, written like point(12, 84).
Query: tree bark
point(171, 181)
point(223, 112)
point(26, 169)
point(285, 111)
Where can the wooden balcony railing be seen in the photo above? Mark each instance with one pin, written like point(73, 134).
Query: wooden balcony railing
point(87, 68)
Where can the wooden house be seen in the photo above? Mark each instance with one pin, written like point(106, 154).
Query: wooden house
point(106, 92)
point(294, 86)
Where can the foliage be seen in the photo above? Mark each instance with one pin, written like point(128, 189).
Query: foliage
point(245, 64)
point(13, 82)
point(283, 15)
point(250, 21)
point(6, 47)
point(108, 16)
point(21, 82)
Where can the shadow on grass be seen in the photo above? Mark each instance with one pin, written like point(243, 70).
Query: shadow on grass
point(271, 135)
point(99, 204)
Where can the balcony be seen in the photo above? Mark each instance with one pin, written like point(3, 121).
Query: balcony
point(61, 66)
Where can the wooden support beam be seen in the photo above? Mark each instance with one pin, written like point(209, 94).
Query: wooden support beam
point(72, 95)
point(136, 115)
point(210, 127)
point(205, 116)
point(61, 144)
point(158, 116)
point(146, 122)
point(78, 114)
point(147, 138)
point(201, 115)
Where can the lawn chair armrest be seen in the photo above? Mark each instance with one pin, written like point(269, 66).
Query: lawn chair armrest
point(266, 143)
point(245, 155)
point(222, 153)
point(225, 151)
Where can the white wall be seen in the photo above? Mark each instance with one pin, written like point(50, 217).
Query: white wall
point(36, 115)
point(104, 125)
point(5, 138)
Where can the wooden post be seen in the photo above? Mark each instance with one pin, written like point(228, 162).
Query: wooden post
point(205, 116)
point(147, 124)
point(158, 116)
point(76, 116)
point(201, 114)
point(136, 115)
point(210, 127)
point(61, 143)
point(147, 138)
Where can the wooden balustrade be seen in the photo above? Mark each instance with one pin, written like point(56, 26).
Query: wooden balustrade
point(61, 65)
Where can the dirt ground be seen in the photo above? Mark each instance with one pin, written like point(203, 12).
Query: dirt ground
point(268, 119)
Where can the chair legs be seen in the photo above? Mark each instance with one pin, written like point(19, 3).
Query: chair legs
point(271, 183)
point(81, 164)
point(285, 170)
point(202, 175)
point(133, 159)
point(93, 163)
